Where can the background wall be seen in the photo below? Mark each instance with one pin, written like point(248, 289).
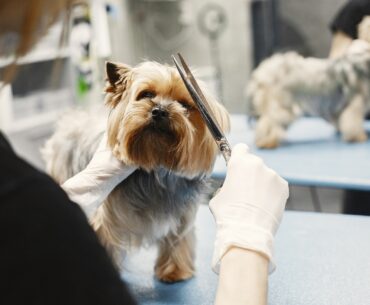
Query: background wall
point(309, 19)
point(155, 29)
point(150, 32)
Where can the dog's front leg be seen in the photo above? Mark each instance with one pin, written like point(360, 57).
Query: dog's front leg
point(176, 253)
point(351, 121)
point(268, 133)
point(175, 261)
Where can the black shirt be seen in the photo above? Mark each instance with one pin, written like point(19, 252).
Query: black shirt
point(49, 254)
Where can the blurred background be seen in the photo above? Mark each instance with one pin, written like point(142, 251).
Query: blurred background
point(223, 40)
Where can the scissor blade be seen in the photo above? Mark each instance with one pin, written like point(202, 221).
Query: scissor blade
point(191, 78)
point(201, 102)
point(212, 126)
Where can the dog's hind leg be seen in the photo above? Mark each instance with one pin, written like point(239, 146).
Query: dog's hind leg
point(176, 255)
point(351, 121)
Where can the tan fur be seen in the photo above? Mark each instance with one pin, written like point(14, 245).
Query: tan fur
point(133, 144)
point(177, 252)
point(189, 150)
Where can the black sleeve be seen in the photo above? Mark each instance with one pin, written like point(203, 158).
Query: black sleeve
point(4, 144)
point(350, 16)
point(49, 254)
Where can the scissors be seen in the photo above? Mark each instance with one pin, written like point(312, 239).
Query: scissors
point(203, 107)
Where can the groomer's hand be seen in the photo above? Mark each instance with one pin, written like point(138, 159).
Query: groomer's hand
point(91, 186)
point(249, 207)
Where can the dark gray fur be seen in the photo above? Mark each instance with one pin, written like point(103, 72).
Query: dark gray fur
point(161, 193)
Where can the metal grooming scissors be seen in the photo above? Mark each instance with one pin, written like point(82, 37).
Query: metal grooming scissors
point(203, 107)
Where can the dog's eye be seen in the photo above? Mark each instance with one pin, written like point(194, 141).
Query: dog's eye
point(145, 94)
point(185, 105)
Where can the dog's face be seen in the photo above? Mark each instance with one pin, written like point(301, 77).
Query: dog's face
point(154, 122)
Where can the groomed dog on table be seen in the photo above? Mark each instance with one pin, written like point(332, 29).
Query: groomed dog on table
point(154, 124)
point(287, 86)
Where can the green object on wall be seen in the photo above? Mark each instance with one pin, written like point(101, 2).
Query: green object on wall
point(82, 87)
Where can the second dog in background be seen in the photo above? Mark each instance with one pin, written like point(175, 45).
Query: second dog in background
point(154, 124)
point(287, 86)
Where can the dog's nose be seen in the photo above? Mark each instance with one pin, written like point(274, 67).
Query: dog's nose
point(159, 113)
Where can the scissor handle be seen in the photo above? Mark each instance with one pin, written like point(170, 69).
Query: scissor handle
point(224, 148)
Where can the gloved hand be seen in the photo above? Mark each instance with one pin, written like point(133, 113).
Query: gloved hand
point(249, 206)
point(91, 186)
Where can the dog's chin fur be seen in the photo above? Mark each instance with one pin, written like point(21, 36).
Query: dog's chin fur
point(287, 86)
point(158, 202)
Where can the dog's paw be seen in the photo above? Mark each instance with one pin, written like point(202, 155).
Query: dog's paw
point(355, 137)
point(171, 273)
point(268, 133)
point(269, 143)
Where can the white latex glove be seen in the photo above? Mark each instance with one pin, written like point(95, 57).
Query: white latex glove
point(249, 206)
point(91, 186)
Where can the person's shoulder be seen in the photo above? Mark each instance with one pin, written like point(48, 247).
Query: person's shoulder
point(16, 172)
point(22, 184)
point(14, 167)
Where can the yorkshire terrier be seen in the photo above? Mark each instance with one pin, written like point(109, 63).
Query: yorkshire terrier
point(287, 86)
point(154, 124)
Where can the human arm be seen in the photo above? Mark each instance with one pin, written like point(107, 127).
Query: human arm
point(339, 44)
point(91, 186)
point(243, 278)
point(345, 26)
point(247, 210)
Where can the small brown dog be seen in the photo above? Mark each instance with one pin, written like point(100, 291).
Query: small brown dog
point(154, 124)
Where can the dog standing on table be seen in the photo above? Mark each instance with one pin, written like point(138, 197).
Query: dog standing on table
point(154, 124)
point(287, 86)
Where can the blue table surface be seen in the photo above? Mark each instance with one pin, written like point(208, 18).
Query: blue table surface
point(322, 259)
point(312, 154)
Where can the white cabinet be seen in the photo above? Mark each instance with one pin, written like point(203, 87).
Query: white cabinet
point(42, 87)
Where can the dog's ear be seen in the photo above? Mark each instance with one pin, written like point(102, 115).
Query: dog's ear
point(118, 79)
point(112, 72)
point(116, 72)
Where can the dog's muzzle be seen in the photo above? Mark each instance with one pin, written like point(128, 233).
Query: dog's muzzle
point(159, 114)
point(160, 117)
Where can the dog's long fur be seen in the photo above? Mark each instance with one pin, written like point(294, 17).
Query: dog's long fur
point(158, 202)
point(286, 86)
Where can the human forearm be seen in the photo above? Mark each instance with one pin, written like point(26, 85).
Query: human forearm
point(91, 186)
point(243, 278)
point(248, 210)
point(340, 44)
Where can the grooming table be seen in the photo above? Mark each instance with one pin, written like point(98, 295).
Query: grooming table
point(311, 155)
point(321, 259)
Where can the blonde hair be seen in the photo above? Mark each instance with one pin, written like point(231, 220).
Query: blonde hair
point(30, 20)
